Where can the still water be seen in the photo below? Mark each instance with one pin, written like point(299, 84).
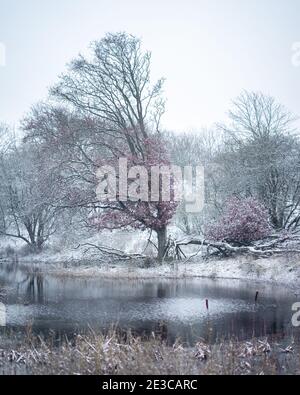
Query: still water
point(168, 307)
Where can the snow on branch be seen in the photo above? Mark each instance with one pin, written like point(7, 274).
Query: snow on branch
point(112, 252)
point(261, 248)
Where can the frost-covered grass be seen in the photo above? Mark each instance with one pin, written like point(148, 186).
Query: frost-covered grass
point(113, 354)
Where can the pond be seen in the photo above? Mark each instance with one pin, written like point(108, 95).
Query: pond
point(170, 308)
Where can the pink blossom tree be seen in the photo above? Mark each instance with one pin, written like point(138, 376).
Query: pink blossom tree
point(244, 221)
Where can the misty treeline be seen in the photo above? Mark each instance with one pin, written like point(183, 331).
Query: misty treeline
point(105, 107)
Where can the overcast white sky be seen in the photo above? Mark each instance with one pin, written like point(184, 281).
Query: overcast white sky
point(209, 50)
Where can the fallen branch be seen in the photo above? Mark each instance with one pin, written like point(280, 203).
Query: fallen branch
point(259, 250)
point(116, 254)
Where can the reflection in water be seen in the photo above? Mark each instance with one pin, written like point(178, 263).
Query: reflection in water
point(34, 284)
point(161, 291)
point(168, 308)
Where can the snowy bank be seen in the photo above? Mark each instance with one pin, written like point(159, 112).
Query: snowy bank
point(69, 260)
point(283, 270)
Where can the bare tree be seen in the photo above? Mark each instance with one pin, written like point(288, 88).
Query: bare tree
point(26, 189)
point(262, 157)
point(257, 117)
point(115, 87)
point(198, 149)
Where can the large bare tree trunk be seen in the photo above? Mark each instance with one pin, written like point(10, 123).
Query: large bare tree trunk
point(162, 243)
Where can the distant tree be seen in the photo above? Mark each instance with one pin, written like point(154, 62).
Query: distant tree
point(243, 222)
point(261, 157)
point(197, 149)
point(27, 194)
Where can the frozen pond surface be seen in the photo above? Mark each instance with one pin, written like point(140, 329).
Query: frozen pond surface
point(168, 307)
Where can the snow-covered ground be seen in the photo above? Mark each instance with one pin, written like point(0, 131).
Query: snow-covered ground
point(72, 260)
point(70, 250)
point(283, 270)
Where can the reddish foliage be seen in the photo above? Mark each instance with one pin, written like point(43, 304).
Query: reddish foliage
point(244, 221)
point(139, 215)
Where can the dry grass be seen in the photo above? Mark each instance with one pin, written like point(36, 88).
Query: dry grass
point(115, 354)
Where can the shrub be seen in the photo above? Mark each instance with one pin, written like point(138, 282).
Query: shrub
point(244, 221)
